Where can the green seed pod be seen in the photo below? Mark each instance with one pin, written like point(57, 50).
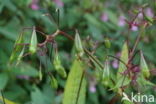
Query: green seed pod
point(33, 42)
point(20, 56)
point(107, 43)
point(40, 73)
point(58, 67)
point(16, 49)
point(106, 74)
point(144, 67)
point(53, 82)
point(78, 44)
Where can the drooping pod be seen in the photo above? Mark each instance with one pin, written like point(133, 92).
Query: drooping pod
point(143, 66)
point(78, 45)
point(33, 42)
point(58, 66)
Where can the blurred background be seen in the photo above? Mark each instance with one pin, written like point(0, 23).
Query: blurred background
point(97, 19)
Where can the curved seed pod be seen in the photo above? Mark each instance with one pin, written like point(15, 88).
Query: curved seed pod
point(20, 56)
point(78, 44)
point(33, 42)
point(107, 43)
point(143, 66)
point(14, 54)
point(58, 67)
point(53, 82)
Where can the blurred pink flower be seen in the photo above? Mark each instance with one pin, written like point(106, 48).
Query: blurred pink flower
point(115, 64)
point(149, 12)
point(59, 3)
point(92, 88)
point(34, 5)
point(134, 27)
point(121, 21)
point(104, 17)
point(140, 16)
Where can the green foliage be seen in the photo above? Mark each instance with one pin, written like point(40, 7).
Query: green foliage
point(25, 80)
point(76, 84)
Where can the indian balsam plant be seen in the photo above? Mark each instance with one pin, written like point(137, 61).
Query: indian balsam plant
point(84, 59)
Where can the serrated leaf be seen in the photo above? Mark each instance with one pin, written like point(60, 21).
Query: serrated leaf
point(124, 57)
point(75, 90)
point(144, 68)
point(3, 80)
point(33, 42)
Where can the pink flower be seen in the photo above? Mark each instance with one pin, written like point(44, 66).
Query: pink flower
point(134, 28)
point(149, 12)
point(115, 64)
point(121, 21)
point(104, 17)
point(59, 3)
point(34, 5)
point(92, 89)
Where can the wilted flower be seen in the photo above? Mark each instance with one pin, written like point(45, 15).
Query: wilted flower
point(104, 17)
point(59, 3)
point(34, 5)
point(121, 21)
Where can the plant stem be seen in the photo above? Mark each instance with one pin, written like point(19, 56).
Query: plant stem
point(2, 97)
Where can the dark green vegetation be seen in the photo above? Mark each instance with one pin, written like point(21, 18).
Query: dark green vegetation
point(96, 73)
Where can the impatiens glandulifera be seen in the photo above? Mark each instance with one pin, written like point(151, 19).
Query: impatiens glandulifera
point(106, 74)
point(143, 65)
point(107, 43)
point(17, 48)
point(78, 44)
point(20, 56)
point(58, 66)
point(33, 42)
point(53, 82)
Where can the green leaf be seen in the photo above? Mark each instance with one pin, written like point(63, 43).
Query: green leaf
point(122, 79)
point(144, 68)
point(75, 90)
point(3, 80)
point(6, 101)
point(25, 69)
point(33, 43)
